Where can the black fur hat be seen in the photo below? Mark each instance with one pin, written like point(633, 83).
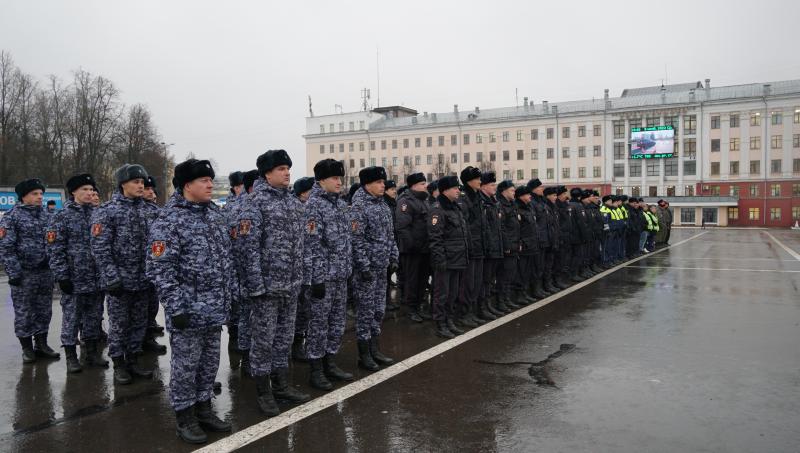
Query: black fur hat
point(271, 159)
point(371, 174)
point(327, 168)
point(447, 182)
point(78, 181)
point(249, 179)
point(534, 183)
point(469, 173)
point(303, 185)
point(236, 178)
point(190, 170)
point(28, 186)
point(488, 178)
point(414, 178)
point(129, 172)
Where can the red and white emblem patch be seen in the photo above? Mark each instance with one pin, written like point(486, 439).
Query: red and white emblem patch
point(97, 229)
point(2, 232)
point(158, 248)
point(244, 227)
point(311, 227)
point(434, 220)
point(51, 237)
point(354, 225)
point(234, 232)
point(404, 207)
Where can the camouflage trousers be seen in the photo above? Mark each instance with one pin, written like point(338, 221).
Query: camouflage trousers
point(370, 305)
point(81, 313)
point(245, 307)
point(152, 308)
point(127, 319)
point(33, 303)
point(193, 365)
point(271, 331)
point(328, 317)
point(303, 311)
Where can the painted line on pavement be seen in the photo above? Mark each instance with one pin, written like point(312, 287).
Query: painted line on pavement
point(710, 269)
point(794, 254)
point(260, 430)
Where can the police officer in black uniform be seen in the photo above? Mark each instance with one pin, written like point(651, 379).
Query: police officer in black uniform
point(411, 225)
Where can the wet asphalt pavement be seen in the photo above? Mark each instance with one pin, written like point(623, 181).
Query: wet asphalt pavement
point(696, 348)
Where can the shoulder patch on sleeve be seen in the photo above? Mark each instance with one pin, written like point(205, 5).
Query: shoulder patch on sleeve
point(51, 237)
point(97, 228)
point(434, 219)
point(404, 207)
point(311, 227)
point(234, 232)
point(158, 248)
point(2, 232)
point(244, 227)
point(354, 225)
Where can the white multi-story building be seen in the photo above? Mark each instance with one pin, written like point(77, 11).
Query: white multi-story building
point(739, 145)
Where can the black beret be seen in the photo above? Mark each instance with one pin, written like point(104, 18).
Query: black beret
point(190, 170)
point(522, 190)
point(606, 198)
point(303, 185)
point(78, 181)
point(433, 185)
point(595, 193)
point(371, 174)
point(150, 181)
point(504, 185)
point(389, 184)
point(550, 191)
point(129, 172)
point(28, 186)
point(353, 189)
point(271, 159)
point(414, 178)
point(470, 173)
point(586, 194)
point(327, 168)
point(447, 182)
point(488, 177)
point(236, 178)
point(561, 189)
point(249, 179)
point(575, 192)
point(534, 183)
point(51, 202)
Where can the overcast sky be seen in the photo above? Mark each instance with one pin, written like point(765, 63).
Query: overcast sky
point(230, 79)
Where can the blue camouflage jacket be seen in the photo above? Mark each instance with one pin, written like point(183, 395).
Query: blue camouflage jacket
point(22, 239)
point(189, 262)
point(270, 237)
point(119, 242)
point(69, 247)
point(327, 252)
point(372, 233)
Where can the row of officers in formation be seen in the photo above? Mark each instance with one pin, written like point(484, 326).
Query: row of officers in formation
point(279, 264)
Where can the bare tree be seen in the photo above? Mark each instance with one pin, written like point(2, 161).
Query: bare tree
point(9, 99)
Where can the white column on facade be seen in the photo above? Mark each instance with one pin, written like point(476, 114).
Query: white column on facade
point(679, 136)
point(744, 137)
point(788, 151)
point(725, 148)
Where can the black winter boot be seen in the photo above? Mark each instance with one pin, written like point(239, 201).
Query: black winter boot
point(93, 356)
point(208, 420)
point(299, 348)
point(365, 359)
point(245, 367)
point(121, 374)
point(42, 349)
point(151, 345)
point(283, 390)
point(451, 326)
point(484, 312)
point(317, 378)
point(73, 364)
point(233, 338)
point(132, 363)
point(538, 291)
point(28, 356)
point(443, 331)
point(266, 402)
point(334, 372)
point(377, 355)
point(188, 428)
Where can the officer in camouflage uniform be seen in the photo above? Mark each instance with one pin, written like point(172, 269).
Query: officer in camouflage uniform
point(271, 239)
point(302, 190)
point(119, 244)
point(374, 251)
point(22, 251)
point(236, 182)
point(150, 344)
point(327, 264)
point(70, 254)
point(244, 306)
point(189, 264)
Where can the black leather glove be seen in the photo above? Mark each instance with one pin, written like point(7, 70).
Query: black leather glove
point(115, 289)
point(180, 321)
point(366, 276)
point(318, 291)
point(15, 281)
point(66, 286)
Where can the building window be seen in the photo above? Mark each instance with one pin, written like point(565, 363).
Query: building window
point(619, 170)
point(383, 162)
point(581, 172)
point(714, 145)
point(734, 145)
point(596, 130)
point(505, 136)
point(383, 144)
point(479, 156)
point(520, 154)
point(714, 168)
point(371, 161)
point(361, 146)
point(394, 144)
point(534, 173)
point(775, 166)
point(689, 168)
point(734, 190)
point(454, 139)
point(755, 167)
point(670, 191)
point(394, 161)
point(734, 122)
point(581, 151)
point(565, 173)
point(714, 190)
point(715, 122)
point(429, 141)
point(733, 213)
point(687, 216)
point(535, 154)
point(619, 129)
point(550, 153)
point(688, 191)
point(534, 134)
point(690, 124)
point(565, 152)
point(690, 148)
point(519, 137)
point(441, 140)
point(672, 121)
point(651, 121)
point(478, 138)
point(466, 158)
point(550, 133)
point(776, 142)
point(565, 132)
point(351, 147)
point(361, 125)
point(341, 147)
point(755, 142)
point(597, 151)
point(492, 156)
point(405, 143)
point(549, 173)
point(492, 137)
point(797, 116)
point(653, 167)
point(417, 160)
point(465, 139)
point(429, 159)
point(635, 169)
point(755, 119)
point(636, 191)
point(775, 190)
point(619, 150)
point(596, 172)
point(322, 149)
point(753, 190)
point(635, 122)
point(777, 118)
point(734, 167)
point(351, 126)
point(774, 213)
point(796, 141)
point(581, 131)
point(506, 155)
point(341, 126)
point(795, 166)
point(453, 158)
point(321, 128)
point(671, 167)
point(520, 174)
point(795, 212)
point(407, 161)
